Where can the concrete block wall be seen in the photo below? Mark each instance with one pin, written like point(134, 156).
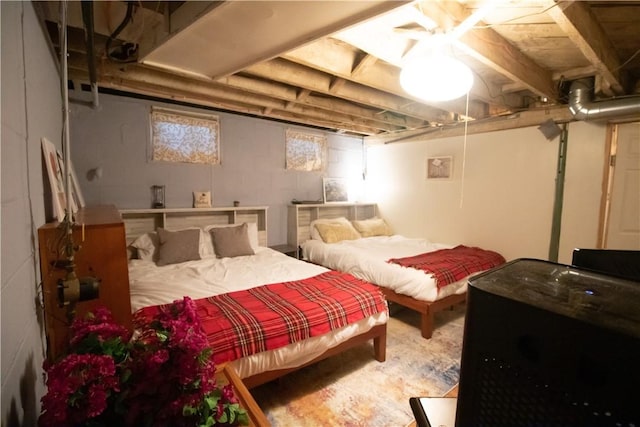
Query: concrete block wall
point(31, 109)
point(116, 138)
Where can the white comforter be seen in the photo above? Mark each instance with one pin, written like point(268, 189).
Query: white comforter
point(366, 258)
point(153, 285)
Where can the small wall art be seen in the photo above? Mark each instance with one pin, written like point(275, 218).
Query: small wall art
point(439, 167)
point(202, 199)
point(56, 174)
point(335, 190)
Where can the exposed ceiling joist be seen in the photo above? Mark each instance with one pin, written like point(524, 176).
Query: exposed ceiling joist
point(336, 65)
point(493, 50)
point(580, 26)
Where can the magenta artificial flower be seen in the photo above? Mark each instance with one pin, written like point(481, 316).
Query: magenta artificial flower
point(100, 324)
point(79, 386)
point(109, 379)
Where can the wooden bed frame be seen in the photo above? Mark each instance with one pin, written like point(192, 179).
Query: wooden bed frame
point(426, 309)
point(378, 333)
point(299, 220)
point(140, 221)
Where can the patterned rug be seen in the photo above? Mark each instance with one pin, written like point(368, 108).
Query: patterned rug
point(353, 389)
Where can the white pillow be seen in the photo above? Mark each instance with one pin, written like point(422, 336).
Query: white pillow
point(313, 231)
point(252, 229)
point(148, 244)
point(372, 227)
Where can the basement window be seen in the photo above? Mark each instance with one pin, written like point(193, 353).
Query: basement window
point(305, 151)
point(183, 137)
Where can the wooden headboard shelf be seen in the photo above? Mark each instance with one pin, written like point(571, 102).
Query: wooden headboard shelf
point(140, 221)
point(300, 217)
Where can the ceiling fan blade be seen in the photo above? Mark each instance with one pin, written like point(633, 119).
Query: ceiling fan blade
point(438, 40)
point(477, 16)
point(412, 33)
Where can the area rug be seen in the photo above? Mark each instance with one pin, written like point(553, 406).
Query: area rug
point(353, 389)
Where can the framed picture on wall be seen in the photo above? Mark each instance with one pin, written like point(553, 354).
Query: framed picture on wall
point(439, 167)
point(54, 173)
point(335, 190)
point(77, 200)
point(202, 199)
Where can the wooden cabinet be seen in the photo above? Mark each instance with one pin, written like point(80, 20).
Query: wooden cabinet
point(300, 216)
point(99, 234)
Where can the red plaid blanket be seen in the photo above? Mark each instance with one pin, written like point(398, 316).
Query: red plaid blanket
point(451, 265)
point(242, 323)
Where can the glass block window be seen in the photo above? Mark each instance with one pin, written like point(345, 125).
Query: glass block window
point(305, 151)
point(183, 137)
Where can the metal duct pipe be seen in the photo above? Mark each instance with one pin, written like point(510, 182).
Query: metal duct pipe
point(583, 108)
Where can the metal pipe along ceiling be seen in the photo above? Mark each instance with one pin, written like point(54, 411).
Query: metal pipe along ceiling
point(583, 108)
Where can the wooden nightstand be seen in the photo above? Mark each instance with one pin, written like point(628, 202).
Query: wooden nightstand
point(227, 375)
point(290, 250)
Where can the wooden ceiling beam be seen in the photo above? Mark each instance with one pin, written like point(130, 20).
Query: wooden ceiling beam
point(198, 90)
point(490, 48)
point(288, 93)
point(559, 114)
point(329, 122)
point(272, 90)
point(317, 81)
point(578, 22)
point(333, 57)
point(362, 65)
point(572, 74)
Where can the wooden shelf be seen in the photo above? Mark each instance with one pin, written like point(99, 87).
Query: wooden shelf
point(300, 217)
point(140, 221)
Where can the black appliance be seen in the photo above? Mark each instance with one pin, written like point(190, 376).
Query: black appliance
point(616, 262)
point(547, 344)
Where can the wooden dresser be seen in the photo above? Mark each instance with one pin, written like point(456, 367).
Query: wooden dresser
point(99, 233)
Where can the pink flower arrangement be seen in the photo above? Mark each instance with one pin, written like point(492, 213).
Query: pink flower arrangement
point(165, 376)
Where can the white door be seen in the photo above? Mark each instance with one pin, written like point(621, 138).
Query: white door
point(623, 225)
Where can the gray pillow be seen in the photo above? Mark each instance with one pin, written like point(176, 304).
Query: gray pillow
point(178, 246)
point(231, 241)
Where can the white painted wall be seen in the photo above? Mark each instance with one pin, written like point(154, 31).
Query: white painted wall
point(504, 201)
point(116, 138)
point(31, 109)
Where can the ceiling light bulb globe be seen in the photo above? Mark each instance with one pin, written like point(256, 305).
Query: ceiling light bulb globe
point(436, 77)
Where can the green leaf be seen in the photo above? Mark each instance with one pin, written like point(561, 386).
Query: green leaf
point(188, 411)
point(211, 401)
point(243, 417)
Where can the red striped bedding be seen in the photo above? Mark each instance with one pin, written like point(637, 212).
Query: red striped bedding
point(451, 265)
point(242, 323)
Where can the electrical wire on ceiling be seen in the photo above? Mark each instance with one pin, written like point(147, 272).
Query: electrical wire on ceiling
point(125, 52)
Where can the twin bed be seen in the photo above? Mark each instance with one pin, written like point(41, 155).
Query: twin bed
point(267, 313)
point(416, 273)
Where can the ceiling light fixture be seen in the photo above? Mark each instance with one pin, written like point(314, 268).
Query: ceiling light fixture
point(435, 77)
point(431, 75)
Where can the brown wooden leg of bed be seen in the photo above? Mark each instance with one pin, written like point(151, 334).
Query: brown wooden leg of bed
point(380, 346)
point(426, 309)
point(426, 324)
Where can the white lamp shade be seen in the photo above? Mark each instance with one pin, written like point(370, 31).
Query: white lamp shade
point(436, 77)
